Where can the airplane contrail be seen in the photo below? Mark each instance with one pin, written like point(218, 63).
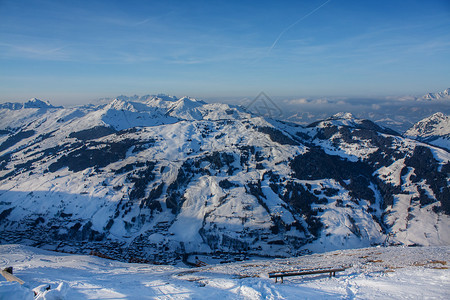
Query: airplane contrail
point(295, 23)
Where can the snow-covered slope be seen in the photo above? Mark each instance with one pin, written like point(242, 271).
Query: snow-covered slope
point(372, 273)
point(433, 130)
point(164, 179)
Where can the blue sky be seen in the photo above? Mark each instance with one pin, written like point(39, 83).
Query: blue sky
point(75, 51)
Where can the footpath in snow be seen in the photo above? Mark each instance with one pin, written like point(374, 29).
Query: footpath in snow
point(372, 273)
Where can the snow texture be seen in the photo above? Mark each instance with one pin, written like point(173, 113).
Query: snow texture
point(371, 273)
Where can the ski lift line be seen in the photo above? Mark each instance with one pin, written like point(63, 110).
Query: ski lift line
point(295, 23)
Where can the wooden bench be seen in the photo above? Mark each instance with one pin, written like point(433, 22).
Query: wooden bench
point(7, 273)
point(200, 263)
point(281, 274)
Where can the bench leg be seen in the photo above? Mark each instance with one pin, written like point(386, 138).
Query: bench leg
point(281, 279)
point(276, 279)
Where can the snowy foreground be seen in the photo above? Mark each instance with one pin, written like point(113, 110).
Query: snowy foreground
point(395, 272)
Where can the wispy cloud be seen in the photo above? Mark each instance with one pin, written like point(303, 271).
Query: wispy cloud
point(318, 101)
point(36, 51)
point(379, 46)
point(295, 23)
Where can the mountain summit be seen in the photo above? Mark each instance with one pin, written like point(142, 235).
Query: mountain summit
point(37, 103)
point(434, 130)
point(32, 103)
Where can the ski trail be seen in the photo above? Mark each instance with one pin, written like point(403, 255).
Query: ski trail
point(164, 290)
point(351, 288)
point(246, 292)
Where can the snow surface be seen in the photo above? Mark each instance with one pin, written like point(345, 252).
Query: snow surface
point(372, 273)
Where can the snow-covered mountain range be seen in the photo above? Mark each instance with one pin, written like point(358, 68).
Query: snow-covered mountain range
point(32, 103)
point(158, 179)
point(444, 95)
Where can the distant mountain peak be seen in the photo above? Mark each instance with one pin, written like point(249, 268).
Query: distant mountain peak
point(32, 103)
point(166, 97)
point(445, 95)
point(120, 104)
point(343, 115)
point(37, 103)
point(145, 98)
point(434, 129)
point(438, 123)
point(438, 116)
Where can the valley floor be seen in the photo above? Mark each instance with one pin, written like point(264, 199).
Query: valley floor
point(372, 273)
